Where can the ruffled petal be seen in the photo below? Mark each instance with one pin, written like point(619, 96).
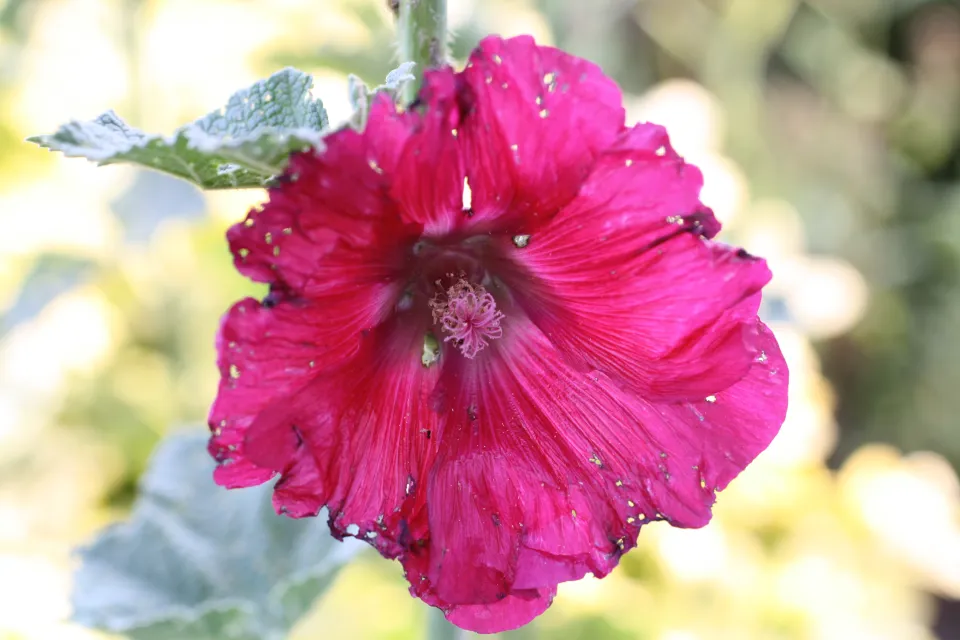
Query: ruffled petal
point(263, 353)
point(624, 281)
point(428, 181)
point(733, 426)
point(627, 381)
point(545, 474)
point(534, 120)
point(335, 200)
point(508, 612)
point(355, 437)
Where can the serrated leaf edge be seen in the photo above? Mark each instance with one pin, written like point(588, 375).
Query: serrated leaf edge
point(194, 137)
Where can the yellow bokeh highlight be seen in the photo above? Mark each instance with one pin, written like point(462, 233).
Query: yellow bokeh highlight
point(796, 550)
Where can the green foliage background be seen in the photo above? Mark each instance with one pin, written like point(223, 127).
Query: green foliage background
point(830, 131)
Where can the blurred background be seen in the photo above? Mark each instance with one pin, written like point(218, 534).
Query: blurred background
point(829, 135)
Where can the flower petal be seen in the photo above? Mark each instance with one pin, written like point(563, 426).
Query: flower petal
point(733, 426)
point(545, 474)
point(337, 199)
point(435, 202)
point(263, 354)
point(354, 437)
point(510, 612)
point(535, 119)
point(623, 281)
point(627, 381)
point(269, 352)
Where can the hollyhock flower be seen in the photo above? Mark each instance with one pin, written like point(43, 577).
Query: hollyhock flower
point(498, 339)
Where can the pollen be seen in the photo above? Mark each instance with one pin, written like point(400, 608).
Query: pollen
point(469, 314)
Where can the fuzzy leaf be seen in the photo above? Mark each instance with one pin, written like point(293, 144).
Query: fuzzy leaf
point(202, 562)
point(244, 144)
point(51, 275)
point(361, 96)
point(398, 79)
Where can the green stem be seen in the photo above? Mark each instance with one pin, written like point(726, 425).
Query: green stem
point(422, 35)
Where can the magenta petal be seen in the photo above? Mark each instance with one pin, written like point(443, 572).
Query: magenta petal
point(331, 210)
point(499, 338)
point(502, 613)
point(535, 119)
point(734, 425)
point(362, 440)
point(255, 372)
point(624, 281)
point(433, 149)
point(510, 613)
point(545, 474)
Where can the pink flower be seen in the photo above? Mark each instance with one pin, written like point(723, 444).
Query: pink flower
point(498, 338)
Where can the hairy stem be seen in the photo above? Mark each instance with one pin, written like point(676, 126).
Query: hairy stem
point(422, 35)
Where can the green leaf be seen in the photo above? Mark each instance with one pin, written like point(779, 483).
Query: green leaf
point(244, 144)
point(398, 79)
point(202, 562)
point(50, 276)
point(361, 96)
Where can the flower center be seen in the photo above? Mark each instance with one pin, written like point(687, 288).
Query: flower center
point(469, 314)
